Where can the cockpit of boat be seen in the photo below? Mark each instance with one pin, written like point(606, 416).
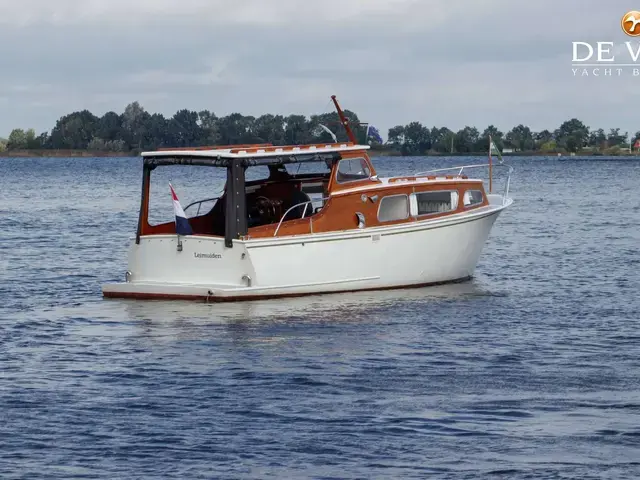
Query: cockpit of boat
point(273, 201)
point(282, 195)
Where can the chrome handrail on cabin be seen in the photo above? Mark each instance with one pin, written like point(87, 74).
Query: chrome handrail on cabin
point(462, 167)
point(304, 212)
point(461, 170)
point(199, 203)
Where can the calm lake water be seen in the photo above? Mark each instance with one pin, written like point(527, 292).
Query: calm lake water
point(532, 369)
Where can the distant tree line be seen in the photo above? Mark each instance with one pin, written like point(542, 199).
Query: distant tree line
point(135, 130)
point(571, 136)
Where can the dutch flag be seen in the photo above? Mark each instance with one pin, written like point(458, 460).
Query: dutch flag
point(182, 224)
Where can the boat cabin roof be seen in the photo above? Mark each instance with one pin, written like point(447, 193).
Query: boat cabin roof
point(250, 155)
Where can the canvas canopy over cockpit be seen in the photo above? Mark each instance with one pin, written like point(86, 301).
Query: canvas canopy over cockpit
point(236, 160)
point(247, 157)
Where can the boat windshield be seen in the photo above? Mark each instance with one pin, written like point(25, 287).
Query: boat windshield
point(352, 169)
point(306, 168)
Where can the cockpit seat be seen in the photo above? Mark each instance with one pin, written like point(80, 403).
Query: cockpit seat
point(299, 197)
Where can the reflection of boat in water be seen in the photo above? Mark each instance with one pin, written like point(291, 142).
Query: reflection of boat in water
point(267, 321)
point(355, 307)
point(269, 238)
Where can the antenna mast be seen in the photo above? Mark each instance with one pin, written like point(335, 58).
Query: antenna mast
point(344, 120)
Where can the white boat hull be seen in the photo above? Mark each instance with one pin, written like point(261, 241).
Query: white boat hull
point(414, 254)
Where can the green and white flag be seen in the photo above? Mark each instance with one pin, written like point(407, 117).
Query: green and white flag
point(493, 150)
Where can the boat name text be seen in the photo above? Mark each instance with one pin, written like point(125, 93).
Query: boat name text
point(207, 255)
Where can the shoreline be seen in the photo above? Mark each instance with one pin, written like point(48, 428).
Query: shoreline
point(62, 154)
point(532, 153)
point(372, 153)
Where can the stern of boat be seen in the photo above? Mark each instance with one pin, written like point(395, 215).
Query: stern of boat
point(188, 266)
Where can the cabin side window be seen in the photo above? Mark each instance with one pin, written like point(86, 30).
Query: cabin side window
point(352, 169)
point(431, 203)
point(393, 207)
point(472, 198)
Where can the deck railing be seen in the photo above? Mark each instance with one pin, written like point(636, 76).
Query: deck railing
point(304, 212)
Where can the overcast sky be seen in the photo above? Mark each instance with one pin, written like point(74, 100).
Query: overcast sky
point(441, 62)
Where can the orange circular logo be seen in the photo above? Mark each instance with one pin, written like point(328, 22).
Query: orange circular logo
point(631, 23)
